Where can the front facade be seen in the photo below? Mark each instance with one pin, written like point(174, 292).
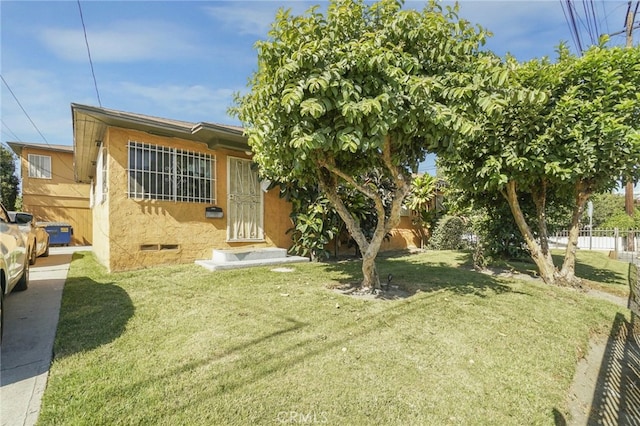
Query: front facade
point(165, 192)
point(49, 189)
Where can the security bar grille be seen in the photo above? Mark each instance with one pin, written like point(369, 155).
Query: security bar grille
point(171, 174)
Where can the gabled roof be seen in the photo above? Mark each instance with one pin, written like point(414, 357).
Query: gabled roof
point(17, 147)
point(90, 124)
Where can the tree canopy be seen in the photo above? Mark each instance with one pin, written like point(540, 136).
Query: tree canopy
point(362, 88)
point(569, 129)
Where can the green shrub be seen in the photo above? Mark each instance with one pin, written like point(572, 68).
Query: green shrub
point(449, 233)
point(623, 221)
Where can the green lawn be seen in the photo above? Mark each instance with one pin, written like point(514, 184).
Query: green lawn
point(181, 346)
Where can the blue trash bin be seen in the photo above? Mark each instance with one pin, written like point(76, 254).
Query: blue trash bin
point(59, 233)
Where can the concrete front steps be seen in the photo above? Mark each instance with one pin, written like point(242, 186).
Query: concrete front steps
point(247, 257)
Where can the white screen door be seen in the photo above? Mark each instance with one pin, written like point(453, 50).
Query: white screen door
point(244, 221)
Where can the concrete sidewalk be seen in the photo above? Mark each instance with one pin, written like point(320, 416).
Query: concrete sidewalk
point(30, 323)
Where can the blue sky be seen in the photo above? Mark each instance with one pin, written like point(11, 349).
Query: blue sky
point(184, 60)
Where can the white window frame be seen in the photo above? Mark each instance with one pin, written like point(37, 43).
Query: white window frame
point(39, 166)
point(170, 174)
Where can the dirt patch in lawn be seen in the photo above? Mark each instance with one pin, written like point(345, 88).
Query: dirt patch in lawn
point(391, 292)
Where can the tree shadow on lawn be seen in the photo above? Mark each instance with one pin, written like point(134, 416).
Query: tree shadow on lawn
point(285, 348)
point(92, 314)
point(413, 275)
point(588, 272)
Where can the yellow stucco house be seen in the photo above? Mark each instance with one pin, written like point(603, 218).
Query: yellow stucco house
point(49, 189)
point(166, 191)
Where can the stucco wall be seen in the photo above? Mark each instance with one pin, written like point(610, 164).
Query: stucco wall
point(59, 199)
point(144, 233)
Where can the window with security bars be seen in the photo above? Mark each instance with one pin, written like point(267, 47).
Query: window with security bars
point(39, 166)
point(163, 173)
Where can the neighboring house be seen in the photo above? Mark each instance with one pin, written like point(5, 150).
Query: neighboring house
point(156, 183)
point(49, 190)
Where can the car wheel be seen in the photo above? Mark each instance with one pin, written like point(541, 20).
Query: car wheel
point(23, 283)
point(32, 255)
point(46, 252)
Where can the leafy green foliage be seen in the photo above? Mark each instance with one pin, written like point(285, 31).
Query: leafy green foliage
point(449, 234)
point(316, 222)
point(363, 89)
point(314, 227)
point(423, 192)
point(8, 180)
point(623, 221)
point(605, 206)
point(498, 235)
point(566, 130)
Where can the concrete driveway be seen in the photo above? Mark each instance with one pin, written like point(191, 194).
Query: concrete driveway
point(31, 319)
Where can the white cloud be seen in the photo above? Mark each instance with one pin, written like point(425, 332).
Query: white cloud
point(123, 41)
point(252, 18)
point(190, 103)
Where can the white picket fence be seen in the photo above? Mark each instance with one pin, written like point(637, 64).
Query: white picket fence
point(599, 239)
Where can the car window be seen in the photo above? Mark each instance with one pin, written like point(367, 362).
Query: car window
point(23, 218)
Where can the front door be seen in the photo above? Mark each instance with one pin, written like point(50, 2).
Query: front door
point(244, 221)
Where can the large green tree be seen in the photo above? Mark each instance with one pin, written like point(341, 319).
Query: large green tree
point(362, 88)
point(574, 135)
point(9, 182)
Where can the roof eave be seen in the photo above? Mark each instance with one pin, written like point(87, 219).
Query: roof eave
point(96, 120)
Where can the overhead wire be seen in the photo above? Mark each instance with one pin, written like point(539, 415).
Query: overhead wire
point(33, 124)
point(567, 10)
point(23, 110)
point(29, 117)
point(586, 24)
point(606, 16)
point(595, 21)
point(86, 42)
point(13, 135)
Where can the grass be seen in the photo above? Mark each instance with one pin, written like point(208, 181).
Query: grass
point(181, 345)
point(596, 269)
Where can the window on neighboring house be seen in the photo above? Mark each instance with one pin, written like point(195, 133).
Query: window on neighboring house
point(163, 173)
point(39, 166)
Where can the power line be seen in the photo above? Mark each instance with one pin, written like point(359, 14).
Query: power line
point(23, 110)
point(13, 135)
point(595, 20)
point(86, 42)
point(569, 16)
point(606, 20)
point(28, 117)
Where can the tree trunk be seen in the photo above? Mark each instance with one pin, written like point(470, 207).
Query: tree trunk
point(371, 279)
point(543, 261)
point(329, 181)
point(567, 274)
point(540, 200)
